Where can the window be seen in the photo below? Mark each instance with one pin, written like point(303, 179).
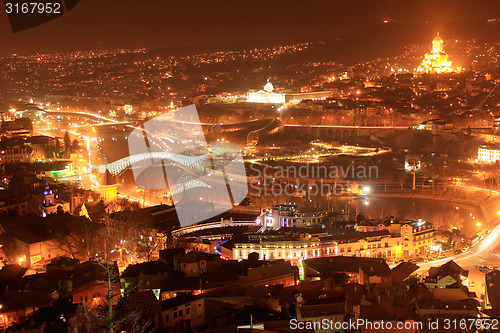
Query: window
point(180, 313)
point(188, 311)
point(199, 305)
point(166, 317)
point(175, 315)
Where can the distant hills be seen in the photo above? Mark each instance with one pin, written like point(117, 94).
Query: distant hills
point(381, 40)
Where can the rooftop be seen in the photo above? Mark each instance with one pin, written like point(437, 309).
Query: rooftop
point(179, 300)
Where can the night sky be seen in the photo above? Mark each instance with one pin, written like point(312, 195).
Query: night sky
point(160, 23)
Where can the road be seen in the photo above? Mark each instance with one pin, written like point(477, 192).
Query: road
point(484, 253)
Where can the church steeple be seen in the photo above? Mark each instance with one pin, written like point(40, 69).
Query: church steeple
point(436, 62)
point(437, 45)
point(48, 196)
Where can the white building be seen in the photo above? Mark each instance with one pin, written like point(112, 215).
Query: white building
point(488, 154)
point(266, 96)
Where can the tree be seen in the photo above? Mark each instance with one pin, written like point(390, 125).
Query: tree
point(83, 239)
point(67, 140)
point(111, 315)
point(75, 146)
point(67, 145)
point(388, 178)
point(402, 179)
point(58, 147)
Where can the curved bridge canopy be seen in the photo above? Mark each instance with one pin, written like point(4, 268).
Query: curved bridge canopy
point(120, 165)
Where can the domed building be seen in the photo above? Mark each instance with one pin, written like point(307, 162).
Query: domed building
point(268, 87)
point(267, 95)
point(437, 61)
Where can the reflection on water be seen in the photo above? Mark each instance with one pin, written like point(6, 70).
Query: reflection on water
point(440, 213)
point(113, 146)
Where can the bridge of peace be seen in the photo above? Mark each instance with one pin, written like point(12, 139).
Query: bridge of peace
point(251, 133)
point(253, 137)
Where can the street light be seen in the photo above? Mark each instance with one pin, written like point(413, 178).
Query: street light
point(3, 317)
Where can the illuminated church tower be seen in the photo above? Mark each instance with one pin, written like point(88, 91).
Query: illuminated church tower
point(437, 45)
point(437, 61)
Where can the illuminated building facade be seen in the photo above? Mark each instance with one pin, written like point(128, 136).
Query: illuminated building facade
point(17, 154)
point(488, 153)
point(292, 216)
point(312, 95)
point(285, 247)
point(437, 61)
point(400, 240)
point(9, 202)
point(496, 122)
point(416, 236)
point(108, 189)
point(267, 95)
point(50, 205)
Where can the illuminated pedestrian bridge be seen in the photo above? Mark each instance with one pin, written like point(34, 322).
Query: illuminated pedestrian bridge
point(190, 162)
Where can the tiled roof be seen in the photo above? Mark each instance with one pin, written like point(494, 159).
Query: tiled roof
point(321, 310)
point(179, 300)
point(146, 268)
point(330, 265)
point(145, 301)
point(403, 271)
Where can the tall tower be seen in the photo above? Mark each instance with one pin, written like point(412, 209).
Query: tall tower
point(436, 62)
point(48, 202)
point(437, 45)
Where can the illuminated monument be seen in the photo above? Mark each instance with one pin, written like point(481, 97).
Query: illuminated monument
point(436, 61)
point(266, 96)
